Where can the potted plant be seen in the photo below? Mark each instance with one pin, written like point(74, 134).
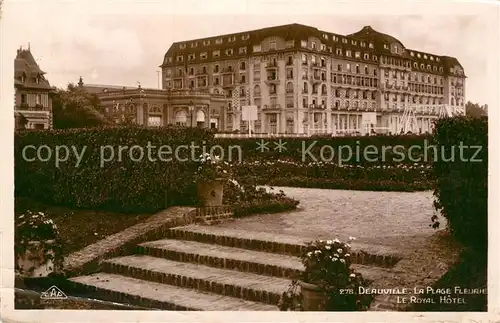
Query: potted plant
point(209, 177)
point(328, 283)
point(37, 246)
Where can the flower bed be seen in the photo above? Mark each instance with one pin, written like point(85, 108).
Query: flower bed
point(247, 199)
point(329, 175)
point(328, 283)
point(37, 245)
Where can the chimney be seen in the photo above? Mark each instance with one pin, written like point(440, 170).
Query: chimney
point(80, 82)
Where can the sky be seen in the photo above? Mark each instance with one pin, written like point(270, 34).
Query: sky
point(123, 42)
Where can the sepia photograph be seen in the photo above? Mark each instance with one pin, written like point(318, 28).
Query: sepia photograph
point(181, 157)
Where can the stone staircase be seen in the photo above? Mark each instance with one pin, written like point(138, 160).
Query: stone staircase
point(208, 268)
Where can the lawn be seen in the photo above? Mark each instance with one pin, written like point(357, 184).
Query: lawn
point(79, 227)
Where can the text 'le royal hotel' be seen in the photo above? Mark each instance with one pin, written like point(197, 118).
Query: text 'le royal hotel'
point(306, 81)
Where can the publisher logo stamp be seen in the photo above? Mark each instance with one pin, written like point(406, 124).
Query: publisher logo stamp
point(53, 293)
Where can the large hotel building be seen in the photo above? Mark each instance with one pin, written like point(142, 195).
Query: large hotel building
point(307, 81)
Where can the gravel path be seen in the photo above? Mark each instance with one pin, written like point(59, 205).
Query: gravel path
point(386, 218)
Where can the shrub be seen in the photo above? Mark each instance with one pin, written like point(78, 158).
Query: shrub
point(461, 184)
point(121, 184)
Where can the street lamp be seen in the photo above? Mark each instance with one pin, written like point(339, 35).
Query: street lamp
point(191, 109)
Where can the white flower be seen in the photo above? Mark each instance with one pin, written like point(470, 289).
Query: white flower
point(352, 238)
point(342, 260)
point(336, 255)
point(352, 275)
point(334, 259)
point(309, 254)
point(329, 241)
point(328, 247)
point(339, 250)
point(347, 255)
point(336, 240)
point(317, 251)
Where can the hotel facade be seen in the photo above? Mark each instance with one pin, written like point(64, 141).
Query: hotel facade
point(307, 81)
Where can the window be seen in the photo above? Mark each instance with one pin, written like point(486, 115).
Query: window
point(245, 37)
point(339, 67)
point(180, 58)
point(375, 58)
point(370, 45)
point(289, 44)
point(216, 81)
point(325, 36)
point(191, 71)
point(232, 38)
point(304, 59)
point(229, 52)
point(168, 73)
point(206, 42)
point(338, 51)
point(348, 53)
point(386, 46)
point(303, 43)
point(256, 90)
point(216, 53)
point(194, 44)
point(191, 57)
point(38, 99)
point(313, 45)
point(354, 42)
point(169, 59)
point(256, 48)
point(344, 40)
point(412, 54)
point(182, 46)
point(289, 87)
point(218, 41)
point(357, 55)
point(216, 68)
point(323, 47)
point(272, 45)
point(366, 57)
point(357, 68)
point(204, 55)
point(242, 50)
point(366, 69)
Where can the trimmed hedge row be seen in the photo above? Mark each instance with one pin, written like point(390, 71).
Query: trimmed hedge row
point(462, 181)
point(364, 150)
point(122, 185)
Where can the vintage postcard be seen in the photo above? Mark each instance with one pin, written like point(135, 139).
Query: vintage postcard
point(292, 160)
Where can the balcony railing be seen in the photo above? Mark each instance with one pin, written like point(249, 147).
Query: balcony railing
point(26, 107)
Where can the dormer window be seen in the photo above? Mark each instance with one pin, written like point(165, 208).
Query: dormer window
point(23, 78)
point(412, 54)
point(245, 37)
point(431, 58)
point(363, 44)
point(370, 45)
point(206, 42)
point(354, 42)
point(386, 46)
point(344, 40)
point(232, 38)
point(325, 36)
point(418, 55)
point(437, 59)
point(37, 79)
point(182, 46)
point(335, 38)
point(303, 43)
point(194, 44)
point(425, 56)
point(218, 41)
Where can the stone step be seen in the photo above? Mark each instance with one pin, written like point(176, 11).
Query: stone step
point(364, 254)
point(148, 294)
point(244, 260)
point(248, 286)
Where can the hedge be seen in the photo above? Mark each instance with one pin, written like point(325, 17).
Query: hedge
point(297, 149)
point(462, 183)
point(127, 185)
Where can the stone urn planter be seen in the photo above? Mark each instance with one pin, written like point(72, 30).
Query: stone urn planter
point(313, 297)
point(210, 192)
point(37, 260)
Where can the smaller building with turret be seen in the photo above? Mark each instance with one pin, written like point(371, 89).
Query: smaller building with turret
point(32, 102)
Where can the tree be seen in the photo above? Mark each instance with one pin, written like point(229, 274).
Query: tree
point(76, 108)
point(474, 110)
